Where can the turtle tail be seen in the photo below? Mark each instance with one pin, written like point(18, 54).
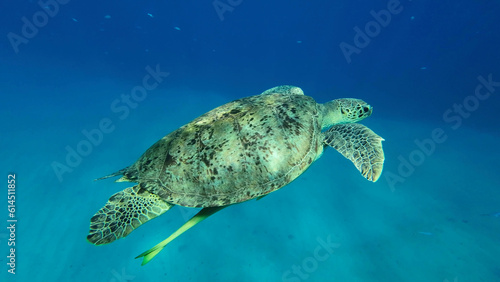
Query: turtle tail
point(120, 172)
point(124, 212)
point(129, 175)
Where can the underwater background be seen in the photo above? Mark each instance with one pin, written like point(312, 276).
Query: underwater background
point(430, 69)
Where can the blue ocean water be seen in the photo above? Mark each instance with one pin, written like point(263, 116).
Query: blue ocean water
point(429, 69)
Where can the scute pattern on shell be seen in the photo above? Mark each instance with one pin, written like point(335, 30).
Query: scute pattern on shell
point(236, 152)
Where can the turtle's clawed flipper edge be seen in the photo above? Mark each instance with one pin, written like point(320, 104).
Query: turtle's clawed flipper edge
point(360, 145)
point(124, 212)
point(200, 216)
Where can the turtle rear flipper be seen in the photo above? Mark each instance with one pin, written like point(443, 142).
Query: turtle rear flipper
point(360, 145)
point(124, 212)
point(285, 90)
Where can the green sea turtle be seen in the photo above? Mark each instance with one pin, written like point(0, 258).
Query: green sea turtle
point(239, 151)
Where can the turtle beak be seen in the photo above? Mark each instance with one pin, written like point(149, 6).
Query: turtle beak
point(365, 111)
point(368, 110)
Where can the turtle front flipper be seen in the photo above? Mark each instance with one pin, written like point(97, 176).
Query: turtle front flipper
point(360, 145)
point(124, 212)
point(200, 216)
point(285, 90)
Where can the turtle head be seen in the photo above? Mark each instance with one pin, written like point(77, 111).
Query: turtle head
point(345, 110)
